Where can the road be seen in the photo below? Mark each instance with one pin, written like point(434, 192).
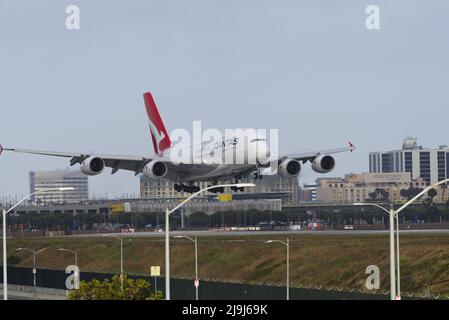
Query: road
point(206, 233)
point(14, 295)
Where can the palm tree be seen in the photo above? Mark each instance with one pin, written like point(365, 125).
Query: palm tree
point(432, 193)
point(444, 188)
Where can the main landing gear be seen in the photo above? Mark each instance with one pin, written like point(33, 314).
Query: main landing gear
point(216, 190)
point(193, 189)
point(188, 189)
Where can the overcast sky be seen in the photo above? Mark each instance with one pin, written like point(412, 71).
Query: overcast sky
point(308, 68)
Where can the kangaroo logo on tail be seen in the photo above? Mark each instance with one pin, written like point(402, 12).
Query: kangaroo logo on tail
point(159, 135)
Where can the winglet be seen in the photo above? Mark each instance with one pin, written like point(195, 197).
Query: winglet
point(351, 146)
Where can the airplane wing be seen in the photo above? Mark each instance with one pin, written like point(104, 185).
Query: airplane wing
point(116, 162)
point(137, 163)
point(309, 156)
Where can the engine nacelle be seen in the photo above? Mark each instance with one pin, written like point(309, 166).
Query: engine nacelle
point(155, 169)
point(289, 168)
point(92, 166)
point(323, 164)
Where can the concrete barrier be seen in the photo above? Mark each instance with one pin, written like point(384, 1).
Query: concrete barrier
point(42, 293)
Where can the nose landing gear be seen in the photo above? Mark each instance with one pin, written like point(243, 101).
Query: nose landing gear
point(258, 176)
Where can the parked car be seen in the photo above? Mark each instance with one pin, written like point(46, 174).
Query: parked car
point(295, 227)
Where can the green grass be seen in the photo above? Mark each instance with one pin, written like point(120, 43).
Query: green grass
point(314, 259)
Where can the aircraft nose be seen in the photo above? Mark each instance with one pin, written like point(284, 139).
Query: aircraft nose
point(263, 152)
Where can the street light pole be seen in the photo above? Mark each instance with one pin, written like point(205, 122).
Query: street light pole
point(5, 272)
point(288, 269)
point(405, 205)
point(121, 263)
point(395, 292)
point(287, 245)
point(391, 214)
point(33, 252)
point(5, 212)
point(167, 255)
point(167, 228)
point(196, 267)
point(122, 273)
point(75, 253)
point(398, 276)
point(195, 241)
point(34, 270)
point(392, 257)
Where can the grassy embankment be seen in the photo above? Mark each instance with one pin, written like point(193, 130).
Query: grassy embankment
point(315, 259)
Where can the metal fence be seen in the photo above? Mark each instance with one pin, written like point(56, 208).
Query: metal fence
point(183, 289)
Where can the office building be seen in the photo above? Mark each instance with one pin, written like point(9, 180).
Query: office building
point(43, 180)
point(432, 165)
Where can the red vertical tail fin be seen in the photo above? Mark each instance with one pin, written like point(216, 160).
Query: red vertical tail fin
point(159, 135)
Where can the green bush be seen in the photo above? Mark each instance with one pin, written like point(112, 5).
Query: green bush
point(110, 289)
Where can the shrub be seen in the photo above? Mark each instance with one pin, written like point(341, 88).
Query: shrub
point(110, 289)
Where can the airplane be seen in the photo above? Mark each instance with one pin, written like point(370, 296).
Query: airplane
point(197, 166)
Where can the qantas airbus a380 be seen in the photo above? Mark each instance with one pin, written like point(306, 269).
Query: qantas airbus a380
point(197, 166)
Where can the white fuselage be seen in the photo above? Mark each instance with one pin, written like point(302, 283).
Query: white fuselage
point(218, 159)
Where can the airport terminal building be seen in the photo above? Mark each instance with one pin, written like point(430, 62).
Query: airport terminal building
point(432, 165)
point(269, 187)
point(42, 180)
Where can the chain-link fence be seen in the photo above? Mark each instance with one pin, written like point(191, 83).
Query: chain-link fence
point(184, 289)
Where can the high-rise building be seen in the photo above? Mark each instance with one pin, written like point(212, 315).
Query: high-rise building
point(432, 165)
point(43, 180)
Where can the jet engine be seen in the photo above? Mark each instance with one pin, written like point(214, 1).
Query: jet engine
point(155, 169)
point(323, 164)
point(289, 168)
point(92, 166)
